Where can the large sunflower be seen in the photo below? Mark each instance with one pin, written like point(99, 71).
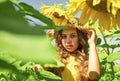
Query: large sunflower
point(106, 12)
point(59, 15)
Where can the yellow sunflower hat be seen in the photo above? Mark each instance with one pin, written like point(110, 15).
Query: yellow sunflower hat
point(59, 15)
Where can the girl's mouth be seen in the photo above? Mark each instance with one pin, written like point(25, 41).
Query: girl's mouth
point(69, 46)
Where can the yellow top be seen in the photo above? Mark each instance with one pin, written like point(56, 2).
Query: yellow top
point(71, 71)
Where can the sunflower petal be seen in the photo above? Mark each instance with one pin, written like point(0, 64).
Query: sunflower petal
point(85, 15)
point(95, 2)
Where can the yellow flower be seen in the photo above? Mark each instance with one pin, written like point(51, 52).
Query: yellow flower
point(105, 12)
point(58, 14)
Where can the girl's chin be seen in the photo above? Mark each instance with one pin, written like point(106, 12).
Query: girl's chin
point(71, 51)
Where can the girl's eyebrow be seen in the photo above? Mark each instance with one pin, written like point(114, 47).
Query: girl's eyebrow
point(70, 34)
point(74, 33)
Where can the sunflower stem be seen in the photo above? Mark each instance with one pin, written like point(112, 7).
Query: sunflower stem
point(107, 49)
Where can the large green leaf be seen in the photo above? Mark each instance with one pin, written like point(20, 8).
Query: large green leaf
point(28, 48)
point(13, 21)
point(25, 47)
point(29, 10)
point(113, 57)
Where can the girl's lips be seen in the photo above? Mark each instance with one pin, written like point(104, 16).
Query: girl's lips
point(68, 46)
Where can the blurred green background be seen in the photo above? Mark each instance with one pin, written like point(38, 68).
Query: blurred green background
point(19, 39)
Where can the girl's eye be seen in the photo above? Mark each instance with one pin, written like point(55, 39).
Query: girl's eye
point(73, 35)
point(64, 36)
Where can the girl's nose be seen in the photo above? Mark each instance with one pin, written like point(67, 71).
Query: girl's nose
point(68, 40)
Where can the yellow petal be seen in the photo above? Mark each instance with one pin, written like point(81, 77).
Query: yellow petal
point(74, 7)
point(118, 19)
point(113, 6)
point(108, 5)
point(95, 2)
point(85, 15)
point(94, 15)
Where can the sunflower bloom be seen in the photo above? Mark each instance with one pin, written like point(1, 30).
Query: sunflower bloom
point(106, 12)
point(58, 14)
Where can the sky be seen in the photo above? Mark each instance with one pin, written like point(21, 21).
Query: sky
point(36, 3)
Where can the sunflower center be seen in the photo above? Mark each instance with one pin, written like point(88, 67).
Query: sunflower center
point(101, 7)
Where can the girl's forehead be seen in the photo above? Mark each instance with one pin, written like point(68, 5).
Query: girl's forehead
point(67, 31)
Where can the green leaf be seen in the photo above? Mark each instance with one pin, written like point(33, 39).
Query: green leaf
point(99, 40)
point(40, 28)
point(113, 34)
point(14, 1)
point(48, 76)
point(109, 46)
point(105, 45)
point(114, 46)
point(6, 65)
point(29, 48)
point(13, 21)
point(114, 56)
point(118, 39)
point(2, 1)
point(58, 64)
point(29, 10)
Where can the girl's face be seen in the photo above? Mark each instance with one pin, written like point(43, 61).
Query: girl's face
point(70, 39)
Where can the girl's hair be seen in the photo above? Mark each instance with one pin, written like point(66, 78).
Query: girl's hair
point(80, 52)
